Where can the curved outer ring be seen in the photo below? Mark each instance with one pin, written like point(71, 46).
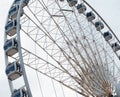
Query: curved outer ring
point(20, 51)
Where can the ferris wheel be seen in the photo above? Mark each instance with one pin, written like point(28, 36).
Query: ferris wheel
point(65, 40)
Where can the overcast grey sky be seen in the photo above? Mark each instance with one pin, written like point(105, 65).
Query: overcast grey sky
point(108, 9)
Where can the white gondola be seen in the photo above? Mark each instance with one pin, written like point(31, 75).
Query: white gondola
point(115, 47)
point(72, 2)
point(10, 28)
point(90, 16)
point(14, 11)
point(107, 35)
point(10, 47)
point(81, 8)
point(13, 71)
point(25, 2)
point(19, 93)
point(99, 25)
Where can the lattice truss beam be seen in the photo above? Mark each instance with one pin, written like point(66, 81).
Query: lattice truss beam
point(60, 43)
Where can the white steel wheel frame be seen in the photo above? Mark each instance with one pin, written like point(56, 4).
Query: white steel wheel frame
point(20, 54)
point(70, 50)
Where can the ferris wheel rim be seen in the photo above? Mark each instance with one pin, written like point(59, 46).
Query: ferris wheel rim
point(20, 51)
point(18, 29)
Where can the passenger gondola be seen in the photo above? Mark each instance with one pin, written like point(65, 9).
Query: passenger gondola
point(107, 35)
point(13, 12)
point(72, 2)
point(90, 16)
point(99, 25)
point(10, 28)
point(19, 93)
point(81, 8)
point(115, 46)
point(13, 71)
point(25, 2)
point(11, 47)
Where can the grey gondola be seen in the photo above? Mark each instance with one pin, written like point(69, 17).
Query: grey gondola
point(81, 8)
point(115, 46)
point(13, 71)
point(14, 11)
point(25, 2)
point(90, 16)
point(99, 25)
point(107, 35)
point(72, 2)
point(10, 47)
point(10, 28)
point(19, 93)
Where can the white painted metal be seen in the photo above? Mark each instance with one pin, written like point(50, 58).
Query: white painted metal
point(73, 52)
point(20, 52)
point(17, 15)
